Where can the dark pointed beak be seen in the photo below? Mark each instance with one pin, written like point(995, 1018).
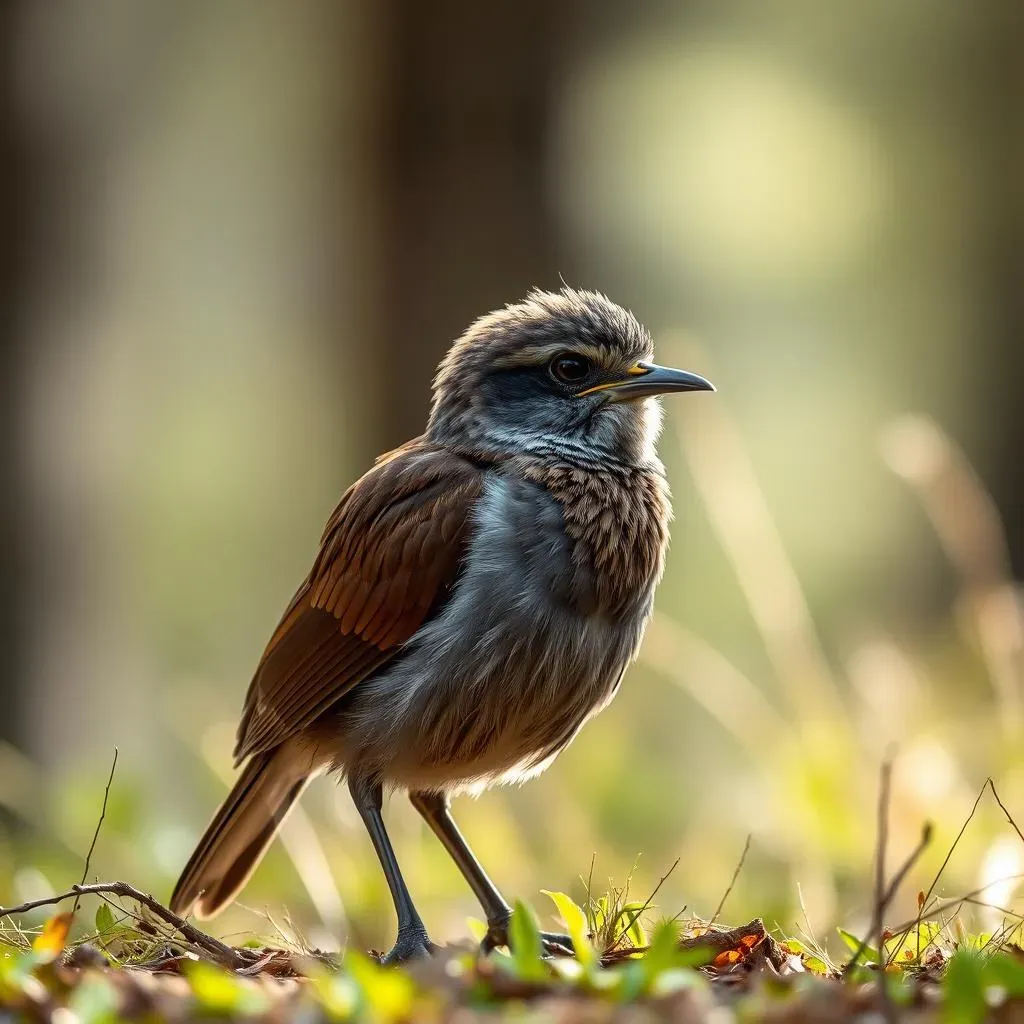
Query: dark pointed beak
point(646, 379)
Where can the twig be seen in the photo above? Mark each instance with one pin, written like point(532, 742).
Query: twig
point(216, 949)
point(1019, 917)
point(675, 917)
point(647, 903)
point(878, 922)
point(732, 882)
point(884, 895)
point(890, 895)
point(1002, 807)
point(951, 904)
point(922, 843)
point(921, 916)
point(959, 836)
point(99, 825)
point(661, 882)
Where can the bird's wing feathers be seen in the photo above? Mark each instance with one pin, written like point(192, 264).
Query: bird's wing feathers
point(388, 556)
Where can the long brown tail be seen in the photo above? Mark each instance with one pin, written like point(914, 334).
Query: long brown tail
point(240, 833)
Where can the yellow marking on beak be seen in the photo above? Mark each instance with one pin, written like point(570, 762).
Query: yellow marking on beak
point(634, 371)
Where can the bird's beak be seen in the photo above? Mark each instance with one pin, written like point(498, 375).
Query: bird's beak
point(650, 379)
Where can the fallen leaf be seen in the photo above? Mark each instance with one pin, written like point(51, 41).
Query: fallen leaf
point(49, 944)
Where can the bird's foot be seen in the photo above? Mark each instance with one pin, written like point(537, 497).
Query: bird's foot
point(412, 944)
point(552, 943)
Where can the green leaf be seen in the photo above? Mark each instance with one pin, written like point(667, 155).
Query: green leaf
point(104, 919)
point(676, 979)
point(628, 923)
point(387, 993)
point(1006, 971)
point(812, 962)
point(663, 950)
point(94, 1000)
point(336, 992)
point(964, 988)
point(576, 922)
point(664, 956)
point(527, 948)
point(870, 954)
point(220, 993)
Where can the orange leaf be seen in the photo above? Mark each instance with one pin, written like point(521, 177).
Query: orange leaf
point(50, 943)
point(727, 958)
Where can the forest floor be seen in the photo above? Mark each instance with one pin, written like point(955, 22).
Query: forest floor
point(131, 958)
point(140, 962)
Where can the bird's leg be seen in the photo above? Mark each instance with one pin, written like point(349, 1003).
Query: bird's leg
point(435, 811)
point(412, 941)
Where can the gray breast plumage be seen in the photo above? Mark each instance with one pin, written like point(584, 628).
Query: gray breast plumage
point(496, 684)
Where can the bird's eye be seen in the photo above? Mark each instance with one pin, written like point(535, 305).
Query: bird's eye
point(569, 368)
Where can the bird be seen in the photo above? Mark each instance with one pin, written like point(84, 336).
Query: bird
point(476, 597)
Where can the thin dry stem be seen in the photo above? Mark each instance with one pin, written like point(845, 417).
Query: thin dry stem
point(216, 949)
point(951, 904)
point(732, 881)
point(99, 825)
point(1002, 807)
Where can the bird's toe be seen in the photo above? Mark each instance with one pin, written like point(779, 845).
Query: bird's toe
point(411, 945)
point(552, 943)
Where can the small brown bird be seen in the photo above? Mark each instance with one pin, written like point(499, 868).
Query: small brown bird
point(476, 597)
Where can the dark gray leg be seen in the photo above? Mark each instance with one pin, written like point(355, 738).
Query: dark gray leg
point(412, 941)
point(434, 808)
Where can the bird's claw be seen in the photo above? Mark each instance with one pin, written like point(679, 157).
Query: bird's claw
point(552, 943)
point(412, 945)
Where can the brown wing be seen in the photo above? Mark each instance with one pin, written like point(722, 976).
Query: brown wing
point(388, 555)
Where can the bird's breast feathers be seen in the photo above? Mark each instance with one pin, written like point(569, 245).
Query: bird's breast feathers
point(617, 521)
point(540, 626)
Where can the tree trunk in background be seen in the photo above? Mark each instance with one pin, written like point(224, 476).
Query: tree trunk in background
point(465, 220)
point(997, 113)
point(14, 211)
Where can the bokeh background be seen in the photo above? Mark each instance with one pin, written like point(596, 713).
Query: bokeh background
point(237, 237)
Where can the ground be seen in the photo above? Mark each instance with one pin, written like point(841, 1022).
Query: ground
point(137, 961)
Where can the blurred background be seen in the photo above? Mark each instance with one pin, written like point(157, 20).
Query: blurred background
point(237, 238)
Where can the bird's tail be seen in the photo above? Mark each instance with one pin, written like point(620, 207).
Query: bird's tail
point(241, 831)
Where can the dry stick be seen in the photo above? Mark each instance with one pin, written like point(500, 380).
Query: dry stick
point(959, 836)
point(878, 921)
point(921, 916)
point(735, 875)
point(647, 903)
point(218, 950)
point(884, 790)
point(994, 906)
point(661, 882)
point(951, 904)
point(1002, 807)
point(890, 895)
point(99, 825)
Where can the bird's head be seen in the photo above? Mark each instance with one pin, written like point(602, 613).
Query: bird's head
point(566, 372)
